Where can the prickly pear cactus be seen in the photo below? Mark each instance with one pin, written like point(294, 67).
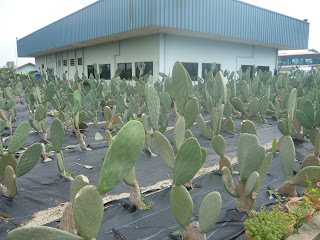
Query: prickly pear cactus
point(29, 159)
point(19, 138)
point(57, 134)
point(122, 155)
point(180, 87)
point(79, 182)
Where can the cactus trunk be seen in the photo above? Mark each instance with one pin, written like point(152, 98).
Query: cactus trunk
point(288, 189)
point(44, 154)
point(67, 222)
point(225, 162)
point(192, 232)
point(135, 195)
point(80, 139)
point(4, 117)
point(243, 203)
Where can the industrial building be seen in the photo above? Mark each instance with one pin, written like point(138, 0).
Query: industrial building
point(123, 33)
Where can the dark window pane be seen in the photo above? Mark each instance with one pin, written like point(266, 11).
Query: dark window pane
point(263, 68)
point(206, 67)
point(105, 71)
point(79, 61)
point(65, 62)
point(72, 62)
point(126, 70)
point(90, 70)
point(147, 70)
point(192, 69)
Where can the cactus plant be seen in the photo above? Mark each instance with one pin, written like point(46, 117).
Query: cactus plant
point(254, 164)
point(182, 208)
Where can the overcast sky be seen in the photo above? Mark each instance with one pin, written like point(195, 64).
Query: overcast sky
point(19, 18)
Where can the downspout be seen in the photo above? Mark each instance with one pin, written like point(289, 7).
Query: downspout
point(276, 63)
point(83, 62)
point(68, 64)
point(131, 15)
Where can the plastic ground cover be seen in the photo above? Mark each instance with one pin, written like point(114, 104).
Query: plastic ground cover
point(43, 187)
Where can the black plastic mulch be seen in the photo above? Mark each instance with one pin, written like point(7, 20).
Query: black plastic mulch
point(43, 187)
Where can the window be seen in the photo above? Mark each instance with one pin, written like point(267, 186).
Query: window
point(147, 70)
point(263, 68)
point(90, 71)
point(105, 71)
point(126, 70)
point(207, 67)
point(65, 62)
point(72, 62)
point(192, 69)
point(79, 61)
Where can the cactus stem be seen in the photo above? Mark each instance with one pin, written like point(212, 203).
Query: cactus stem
point(225, 162)
point(189, 184)
point(288, 189)
point(135, 195)
point(192, 232)
point(243, 203)
point(80, 139)
point(4, 117)
point(44, 154)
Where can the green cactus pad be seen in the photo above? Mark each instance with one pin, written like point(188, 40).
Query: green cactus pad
point(237, 104)
point(57, 134)
point(178, 133)
point(244, 89)
point(122, 155)
point(287, 157)
point(219, 145)
point(11, 185)
point(153, 104)
point(253, 107)
point(187, 162)
point(277, 110)
point(313, 173)
point(5, 160)
point(107, 113)
point(310, 160)
point(87, 102)
point(250, 155)
point(209, 211)
point(79, 182)
point(251, 183)
point(39, 113)
point(41, 233)
point(249, 127)
point(201, 124)
point(1, 148)
point(228, 109)
point(19, 138)
point(49, 92)
point(2, 126)
point(144, 122)
point(313, 135)
point(264, 169)
point(180, 87)
point(304, 120)
point(130, 179)
point(164, 148)
point(230, 126)
point(228, 181)
point(188, 134)
point(282, 126)
point(88, 211)
point(264, 106)
point(191, 112)
point(255, 86)
point(181, 205)
point(29, 159)
point(203, 156)
point(222, 87)
point(291, 108)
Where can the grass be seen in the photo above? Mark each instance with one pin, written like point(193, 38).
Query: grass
point(145, 205)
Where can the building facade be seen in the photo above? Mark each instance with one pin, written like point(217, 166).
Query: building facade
point(24, 69)
point(124, 33)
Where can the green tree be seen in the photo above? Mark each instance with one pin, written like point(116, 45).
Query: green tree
point(9, 65)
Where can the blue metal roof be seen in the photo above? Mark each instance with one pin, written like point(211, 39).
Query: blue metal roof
point(226, 18)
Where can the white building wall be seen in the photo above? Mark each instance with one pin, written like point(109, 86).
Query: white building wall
point(197, 50)
point(26, 69)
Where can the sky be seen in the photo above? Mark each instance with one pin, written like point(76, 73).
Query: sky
point(19, 18)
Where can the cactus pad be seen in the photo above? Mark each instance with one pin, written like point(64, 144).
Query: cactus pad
point(181, 205)
point(5, 160)
point(11, 186)
point(40, 233)
point(253, 107)
point(251, 183)
point(250, 155)
point(164, 148)
point(287, 157)
point(228, 182)
point(79, 182)
point(29, 159)
point(264, 169)
point(122, 155)
point(57, 134)
point(153, 104)
point(180, 87)
point(179, 131)
point(19, 138)
point(237, 104)
point(187, 162)
point(209, 211)
point(191, 112)
point(248, 126)
point(88, 211)
point(313, 173)
point(219, 145)
point(130, 179)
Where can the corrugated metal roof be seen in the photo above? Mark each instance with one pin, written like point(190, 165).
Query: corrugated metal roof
point(226, 18)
